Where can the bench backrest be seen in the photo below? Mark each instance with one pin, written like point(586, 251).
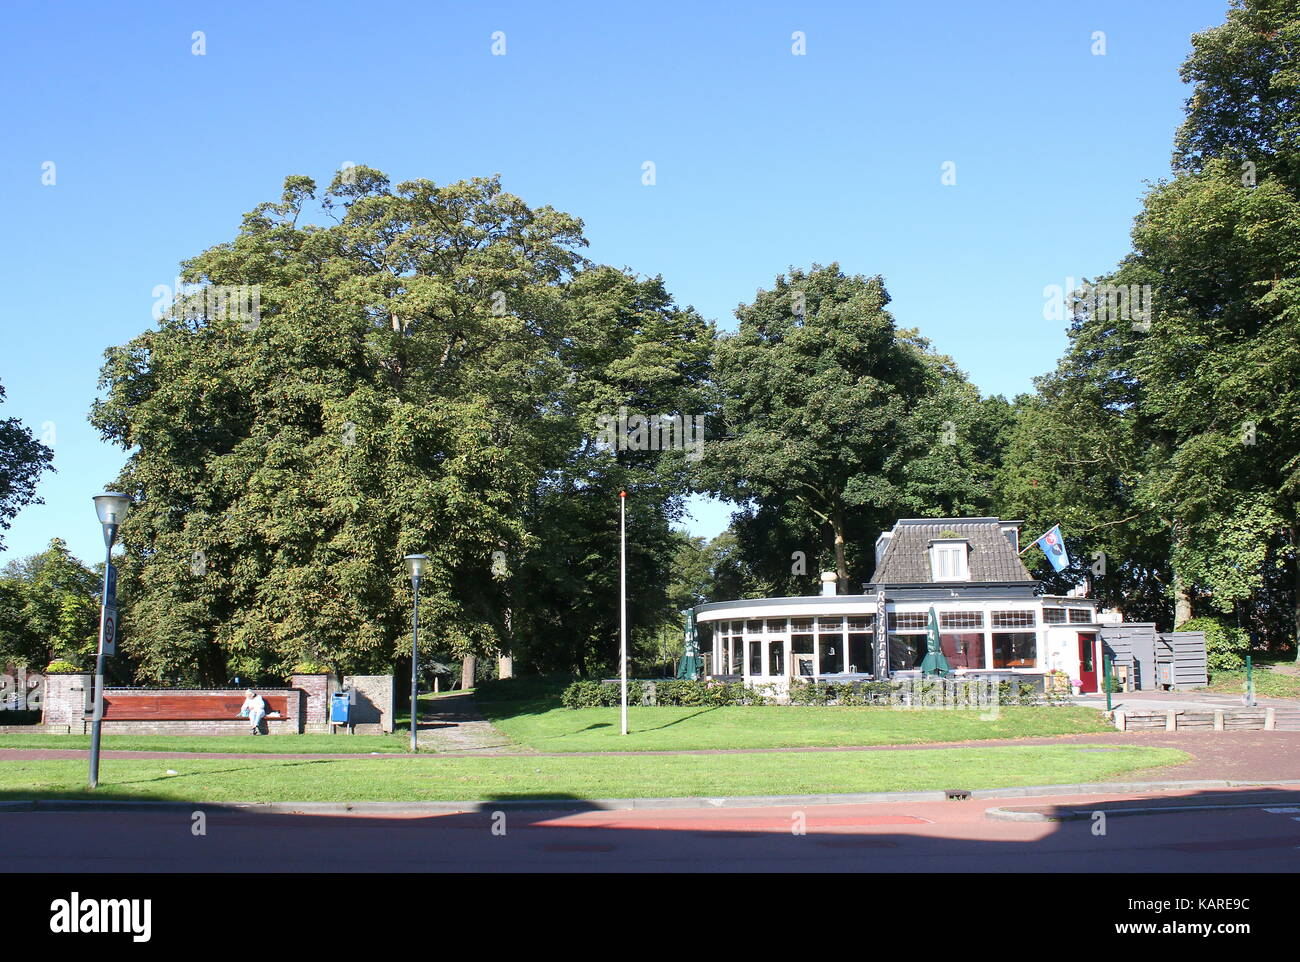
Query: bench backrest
point(175, 707)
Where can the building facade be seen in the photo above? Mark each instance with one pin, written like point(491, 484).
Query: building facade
point(991, 619)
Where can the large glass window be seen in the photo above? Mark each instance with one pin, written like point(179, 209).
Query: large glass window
point(801, 644)
point(776, 658)
point(860, 652)
point(906, 651)
point(1015, 649)
point(756, 658)
point(1053, 616)
point(832, 654)
point(963, 649)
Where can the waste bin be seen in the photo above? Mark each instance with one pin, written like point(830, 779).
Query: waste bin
point(341, 708)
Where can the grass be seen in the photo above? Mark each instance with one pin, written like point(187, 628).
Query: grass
point(559, 777)
point(1268, 683)
point(526, 711)
point(262, 745)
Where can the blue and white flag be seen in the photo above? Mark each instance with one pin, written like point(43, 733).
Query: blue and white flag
point(1053, 546)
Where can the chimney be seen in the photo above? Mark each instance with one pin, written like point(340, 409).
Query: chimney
point(829, 578)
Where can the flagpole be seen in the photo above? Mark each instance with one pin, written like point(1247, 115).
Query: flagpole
point(622, 602)
point(1036, 540)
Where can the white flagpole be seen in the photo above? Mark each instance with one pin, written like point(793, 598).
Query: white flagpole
point(622, 600)
point(1036, 540)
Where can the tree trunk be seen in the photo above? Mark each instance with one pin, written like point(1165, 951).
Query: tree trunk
point(467, 666)
point(841, 563)
point(1182, 602)
point(1295, 625)
point(506, 659)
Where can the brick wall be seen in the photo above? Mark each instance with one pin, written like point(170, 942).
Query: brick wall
point(67, 704)
point(66, 699)
point(375, 702)
point(316, 698)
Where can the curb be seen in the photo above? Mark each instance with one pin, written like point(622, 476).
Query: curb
point(1001, 814)
point(634, 804)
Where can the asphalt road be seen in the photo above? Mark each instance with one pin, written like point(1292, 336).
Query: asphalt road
point(893, 837)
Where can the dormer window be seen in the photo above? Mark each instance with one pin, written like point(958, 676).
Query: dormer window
point(948, 559)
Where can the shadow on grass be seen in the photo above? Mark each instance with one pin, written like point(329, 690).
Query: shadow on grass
point(678, 721)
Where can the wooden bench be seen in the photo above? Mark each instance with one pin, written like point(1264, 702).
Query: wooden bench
point(173, 707)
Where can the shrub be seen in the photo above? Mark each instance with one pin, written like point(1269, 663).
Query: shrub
point(671, 692)
point(60, 667)
point(1226, 646)
point(308, 667)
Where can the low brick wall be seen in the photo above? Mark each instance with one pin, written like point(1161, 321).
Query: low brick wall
point(68, 701)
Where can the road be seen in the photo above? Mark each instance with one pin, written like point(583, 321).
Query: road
point(953, 836)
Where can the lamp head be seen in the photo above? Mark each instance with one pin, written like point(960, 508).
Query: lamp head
point(111, 507)
point(415, 564)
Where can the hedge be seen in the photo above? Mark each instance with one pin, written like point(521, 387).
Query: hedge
point(930, 691)
point(670, 692)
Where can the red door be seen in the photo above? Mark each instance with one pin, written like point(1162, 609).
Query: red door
point(1087, 662)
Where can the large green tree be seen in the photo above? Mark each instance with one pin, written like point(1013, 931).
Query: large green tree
point(834, 423)
point(22, 461)
point(390, 397)
point(628, 350)
point(49, 609)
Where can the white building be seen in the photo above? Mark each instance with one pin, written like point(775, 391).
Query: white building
point(967, 569)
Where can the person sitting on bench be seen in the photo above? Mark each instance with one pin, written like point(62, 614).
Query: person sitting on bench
point(254, 708)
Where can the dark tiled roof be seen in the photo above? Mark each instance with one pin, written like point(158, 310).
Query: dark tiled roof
point(907, 555)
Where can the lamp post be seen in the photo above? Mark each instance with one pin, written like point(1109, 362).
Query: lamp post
point(622, 607)
point(111, 508)
point(415, 565)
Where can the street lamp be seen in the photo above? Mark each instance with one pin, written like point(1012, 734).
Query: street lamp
point(415, 565)
point(111, 508)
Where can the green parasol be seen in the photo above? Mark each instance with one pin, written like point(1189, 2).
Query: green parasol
point(934, 662)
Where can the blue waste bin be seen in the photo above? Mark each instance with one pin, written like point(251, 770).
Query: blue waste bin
point(341, 708)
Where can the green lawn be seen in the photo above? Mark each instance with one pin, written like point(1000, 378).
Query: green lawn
point(1268, 683)
point(263, 744)
point(609, 776)
point(527, 711)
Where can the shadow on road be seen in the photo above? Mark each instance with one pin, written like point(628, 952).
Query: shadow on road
point(570, 835)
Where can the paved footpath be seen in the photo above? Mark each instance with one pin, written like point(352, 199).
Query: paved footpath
point(454, 725)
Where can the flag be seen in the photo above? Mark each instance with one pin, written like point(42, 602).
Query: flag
point(1053, 546)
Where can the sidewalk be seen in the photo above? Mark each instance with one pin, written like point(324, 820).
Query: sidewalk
point(1144, 701)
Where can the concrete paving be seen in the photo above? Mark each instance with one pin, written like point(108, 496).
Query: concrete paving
point(1144, 701)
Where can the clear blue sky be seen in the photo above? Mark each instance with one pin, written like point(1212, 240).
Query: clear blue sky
point(764, 159)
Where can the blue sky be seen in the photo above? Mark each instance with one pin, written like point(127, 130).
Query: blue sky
point(763, 159)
